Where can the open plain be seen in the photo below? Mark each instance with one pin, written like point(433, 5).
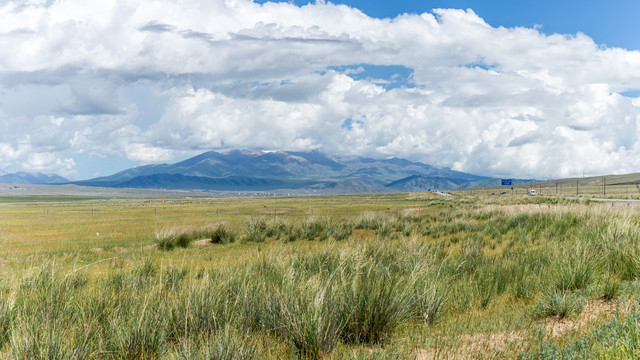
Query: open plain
point(338, 277)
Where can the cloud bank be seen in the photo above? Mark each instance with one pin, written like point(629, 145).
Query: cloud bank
point(150, 81)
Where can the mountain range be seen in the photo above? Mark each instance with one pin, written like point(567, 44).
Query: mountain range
point(277, 171)
point(297, 172)
point(30, 178)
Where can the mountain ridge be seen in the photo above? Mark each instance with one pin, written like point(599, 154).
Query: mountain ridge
point(23, 177)
point(242, 170)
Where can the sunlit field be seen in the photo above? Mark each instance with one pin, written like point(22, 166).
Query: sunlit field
point(604, 187)
point(418, 276)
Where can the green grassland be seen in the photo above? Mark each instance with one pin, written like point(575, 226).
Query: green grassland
point(391, 276)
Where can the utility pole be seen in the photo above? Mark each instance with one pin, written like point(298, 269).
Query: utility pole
point(577, 186)
point(604, 186)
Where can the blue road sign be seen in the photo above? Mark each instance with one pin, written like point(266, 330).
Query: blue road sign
point(506, 181)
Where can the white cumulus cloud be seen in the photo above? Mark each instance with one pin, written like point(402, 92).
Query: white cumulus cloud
point(236, 74)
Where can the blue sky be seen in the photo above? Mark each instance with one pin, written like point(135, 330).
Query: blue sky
point(510, 88)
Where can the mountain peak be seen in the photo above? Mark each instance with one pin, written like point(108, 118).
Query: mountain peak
point(250, 170)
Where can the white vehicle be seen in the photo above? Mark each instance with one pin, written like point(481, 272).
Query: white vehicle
point(532, 192)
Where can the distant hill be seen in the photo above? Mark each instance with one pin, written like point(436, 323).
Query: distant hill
point(30, 178)
point(316, 172)
point(418, 183)
point(349, 186)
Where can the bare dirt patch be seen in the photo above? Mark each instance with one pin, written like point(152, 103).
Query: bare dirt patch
point(595, 312)
point(482, 345)
point(202, 242)
point(471, 346)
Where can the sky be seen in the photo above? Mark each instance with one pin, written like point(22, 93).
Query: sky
point(527, 89)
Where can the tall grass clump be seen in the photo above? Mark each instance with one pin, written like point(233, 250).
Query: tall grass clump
point(254, 291)
point(610, 289)
point(431, 302)
point(314, 228)
point(226, 344)
point(136, 329)
point(622, 262)
point(289, 234)
point(573, 274)
point(339, 230)
point(368, 221)
point(393, 352)
point(385, 230)
point(41, 340)
point(7, 316)
point(310, 317)
point(202, 310)
point(255, 230)
point(484, 291)
point(184, 239)
point(168, 239)
point(404, 227)
point(165, 239)
point(142, 275)
point(173, 276)
point(44, 305)
point(139, 278)
point(221, 234)
point(277, 227)
point(374, 301)
point(410, 216)
point(559, 303)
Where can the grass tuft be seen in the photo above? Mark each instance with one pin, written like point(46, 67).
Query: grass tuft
point(559, 303)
